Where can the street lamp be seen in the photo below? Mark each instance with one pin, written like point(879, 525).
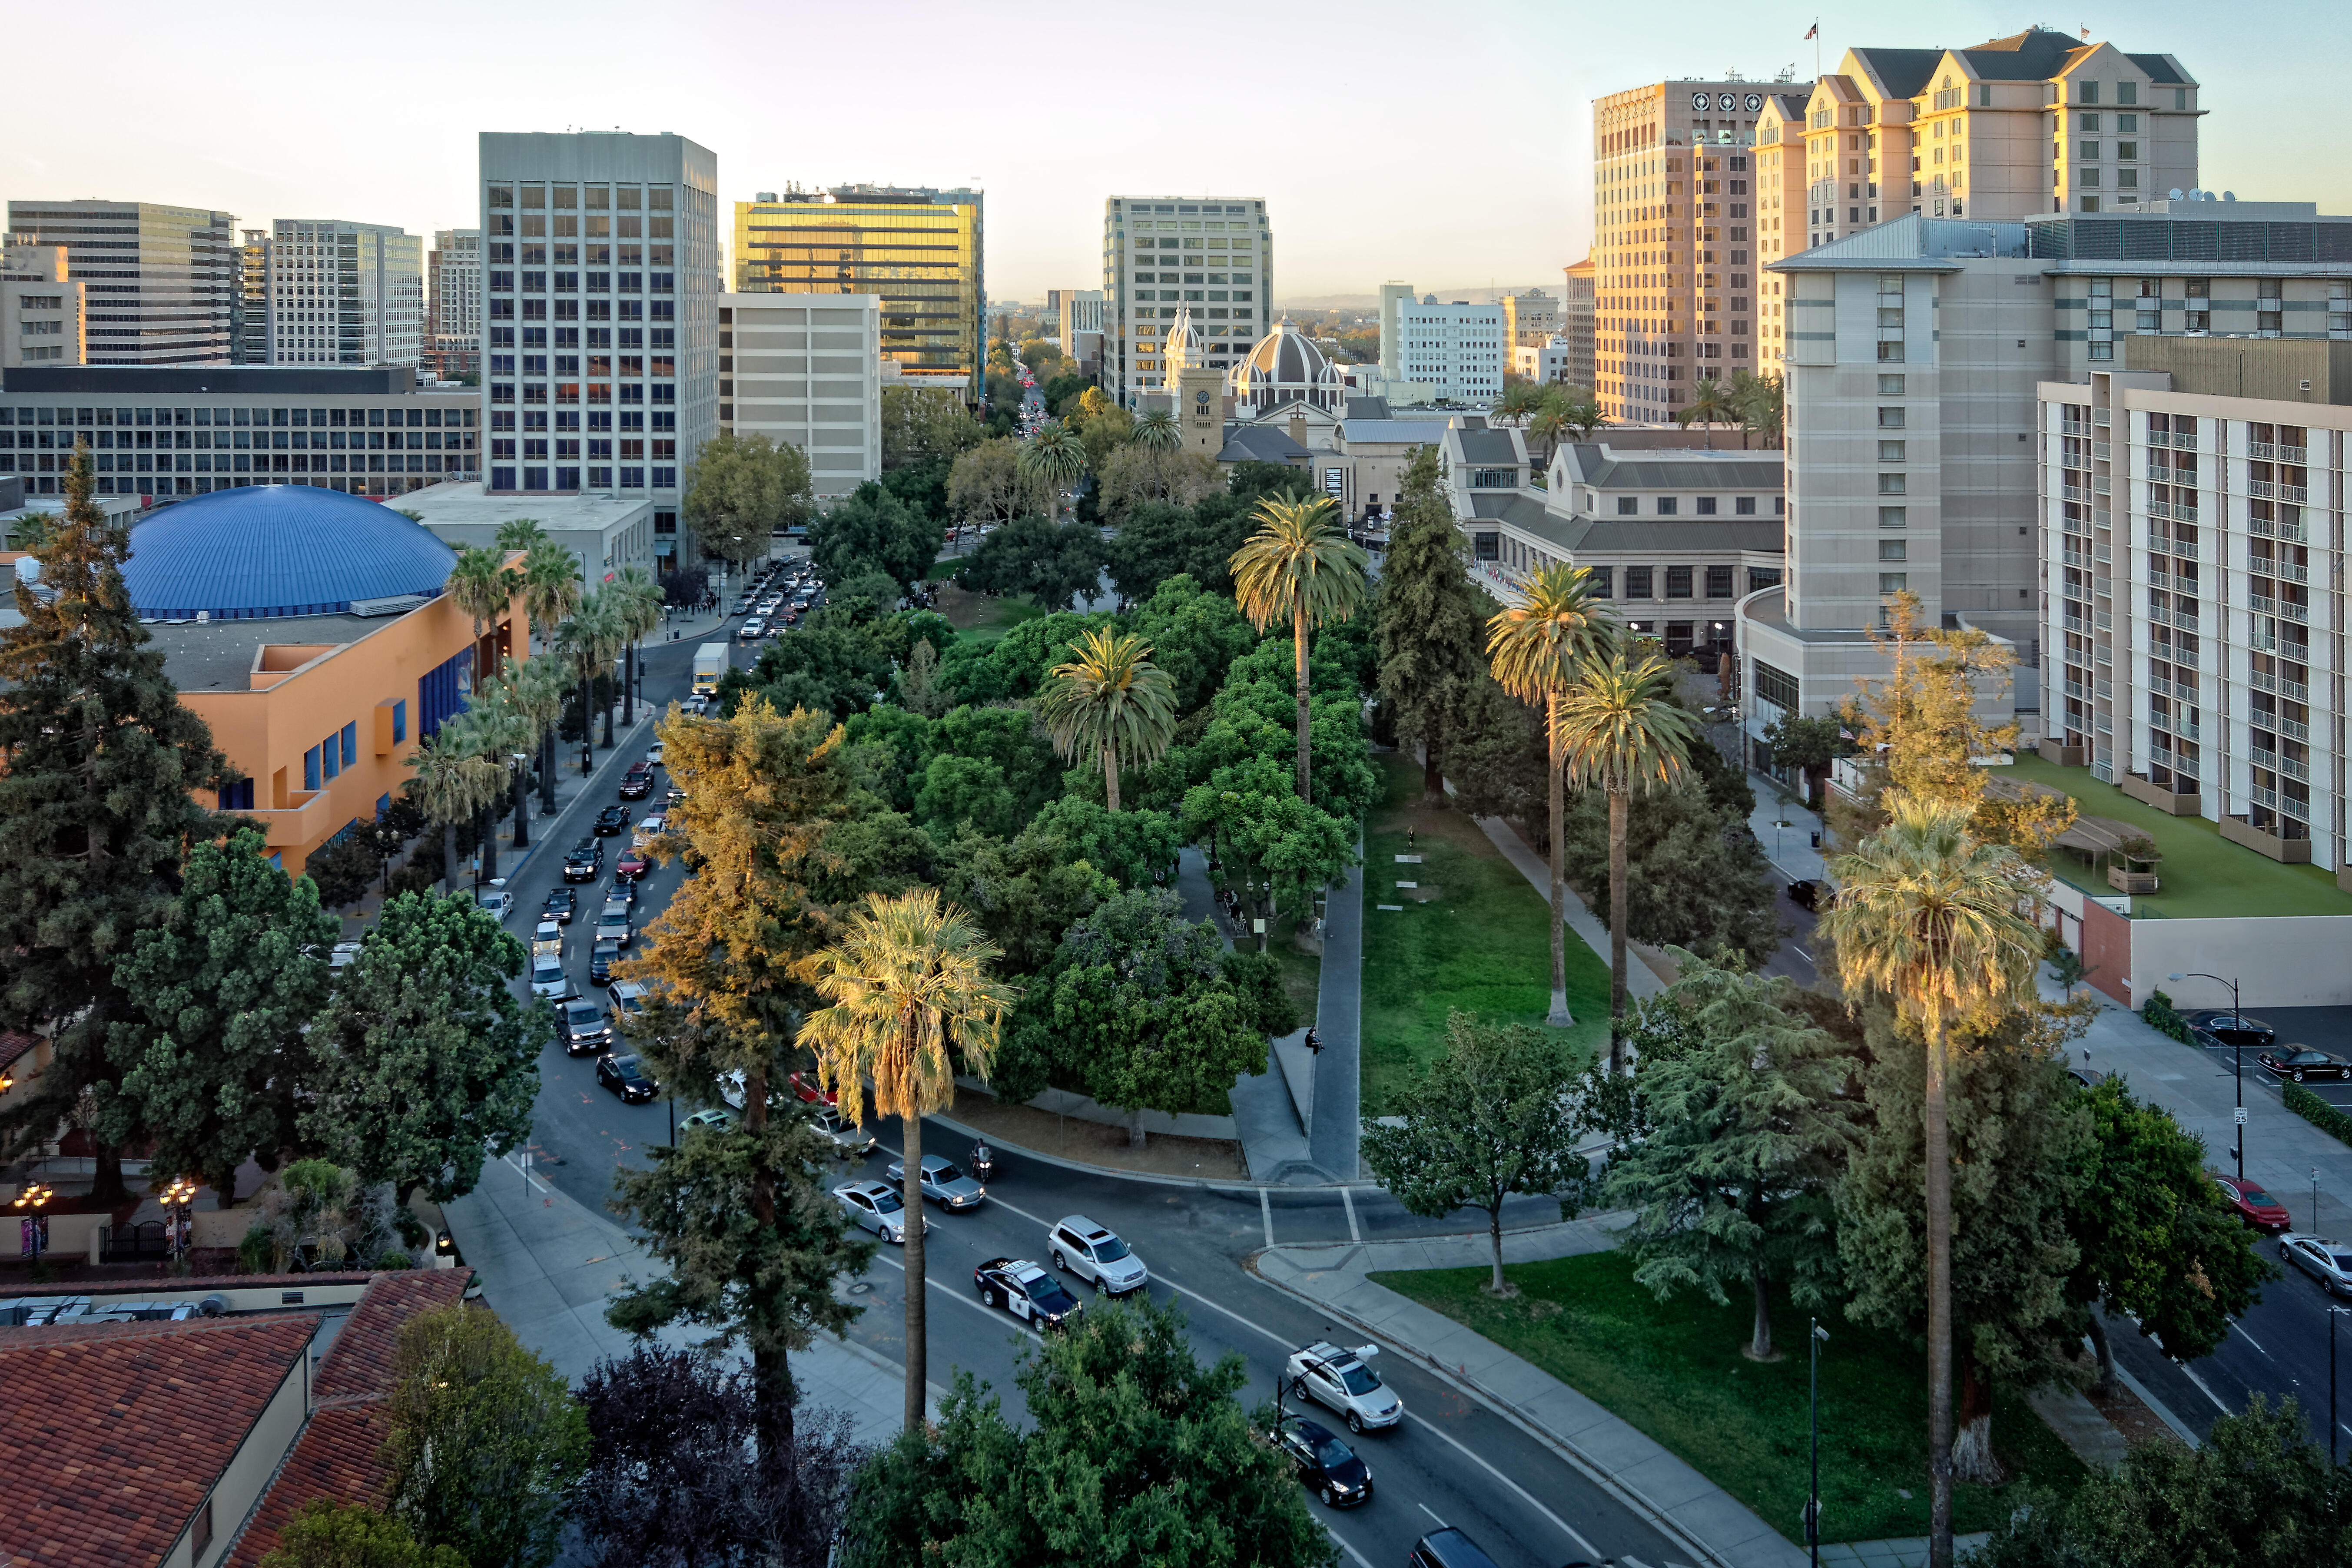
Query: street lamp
point(2237, 1051)
point(2333, 1313)
point(1819, 1337)
point(34, 1197)
point(176, 1199)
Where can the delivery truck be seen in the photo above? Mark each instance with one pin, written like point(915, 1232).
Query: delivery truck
point(709, 666)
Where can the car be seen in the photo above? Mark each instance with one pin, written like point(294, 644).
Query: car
point(343, 956)
point(751, 630)
point(613, 925)
point(697, 704)
point(1344, 1381)
point(584, 861)
point(620, 892)
point(2329, 1262)
point(877, 1206)
point(942, 1182)
point(2251, 1203)
point(2089, 1078)
point(1328, 1467)
point(547, 937)
point(612, 819)
point(626, 1077)
point(636, 784)
point(1805, 894)
point(2300, 1062)
point(560, 906)
point(633, 864)
point(651, 829)
point(1446, 1547)
point(854, 1141)
point(808, 1087)
point(1027, 1292)
point(582, 1028)
point(2232, 1028)
point(673, 796)
point(626, 1000)
point(1093, 1252)
point(601, 959)
point(497, 900)
point(716, 1119)
point(654, 755)
point(548, 979)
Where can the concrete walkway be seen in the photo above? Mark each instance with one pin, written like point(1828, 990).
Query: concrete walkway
point(549, 1265)
point(1792, 849)
point(1709, 1522)
point(1335, 1126)
point(1640, 980)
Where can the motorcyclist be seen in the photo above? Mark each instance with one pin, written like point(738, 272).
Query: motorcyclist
point(983, 1159)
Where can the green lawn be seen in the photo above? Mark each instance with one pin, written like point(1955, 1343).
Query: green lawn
point(1676, 1371)
point(1302, 973)
point(1472, 936)
point(2204, 875)
point(984, 619)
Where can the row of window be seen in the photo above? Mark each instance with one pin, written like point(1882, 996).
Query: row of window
point(324, 762)
point(1677, 582)
point(596, 337)
point(264, 462)
point(1701, 506)
point(537, 478)
point(414, 419)
point(568, 392)
point(1194, 294)
point(536, 451)
point(598, 419)
point(597, 283)
point(239, 440)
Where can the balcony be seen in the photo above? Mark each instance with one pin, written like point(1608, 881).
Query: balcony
point(2263, 490)
point(2268, 452)
point(2101, 485)
point(2074, 492)
point(2284, 609)
point(2292, 729)
point(2262, 841)
point(2171, 802)
point(2268, 529)
point(2294, 690)
point(2159, 686)
point(2284, 766)
point(2100, 451)
point(2103, 552)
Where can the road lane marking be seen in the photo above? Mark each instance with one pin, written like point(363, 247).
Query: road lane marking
point(989, 1312)
point(1265, 1208)
point(2252, 1341)
point(523, 1168)
point(1348, 1198)
point(1345, 1546)
point(1433, 1513)
point(1800, 952)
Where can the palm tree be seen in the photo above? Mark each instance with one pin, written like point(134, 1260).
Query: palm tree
point(1621, 730)
point(1056, 456)
point(454, 782)
point(638, 599)
point(482, 586)
point(587, 642)
point(520, 534)
point(1760, 402)
point(1535, 649)
point(1110, 699)
point(551, 586)
point(1711, 405)
point(1299, 567)
point(1156, 430)
point(909, 993)
point(1926, 914)
point(1519, 399)
point(531, 693)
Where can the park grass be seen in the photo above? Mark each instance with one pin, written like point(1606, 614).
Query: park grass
point(981, 618)
point(1474, 936)
point(1676, 1370)
point(1302, 973)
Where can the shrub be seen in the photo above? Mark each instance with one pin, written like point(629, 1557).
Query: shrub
point(2159, 1015)
point(2319, 1113)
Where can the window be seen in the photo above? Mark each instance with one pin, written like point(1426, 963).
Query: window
point(310, 768)
point(1891, 386)
point(1774, 685)
point(1892, 582)
point(1890, 452)
point(1637, 581)
point(351, 744)
point(1627, 505)
point(400, 720)
point(1604, 582)
point(1891, 517)
point(1891, 485)
point(1678, 582)
point(1718, 582)
point(1707, 506)
point(1667, 505)
point(1890, 351)
point(1894, 548)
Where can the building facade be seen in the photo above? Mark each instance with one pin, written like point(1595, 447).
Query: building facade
point(601, 283)
point(249, 322)
point(1459, 348)
point(1576, 320)
point(343, 293)
point(917, 250)
point(170, 433)
point(1213, 255)
point(41, 306)
point(160, 282)
point(805, 371)
point(453, 304)
point(1529, 318)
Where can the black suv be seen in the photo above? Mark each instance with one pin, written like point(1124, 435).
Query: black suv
point(624, 1077)
point(584, 861)
point(601, 960)
point(560, 906)
point(1329, 1467)
point(612, 819)
point(582, 1028)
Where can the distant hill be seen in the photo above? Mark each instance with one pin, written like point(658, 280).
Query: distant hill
point(1478, 294)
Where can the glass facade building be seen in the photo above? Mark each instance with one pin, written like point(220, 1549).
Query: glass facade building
point(162, 282)
point(919, 250)
point(320, 292)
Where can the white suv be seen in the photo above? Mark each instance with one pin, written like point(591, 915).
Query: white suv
point(1342, 1381)
point(1082, 1247)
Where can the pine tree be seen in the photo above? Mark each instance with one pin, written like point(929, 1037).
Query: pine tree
point(1432, 624)
point(97, 761)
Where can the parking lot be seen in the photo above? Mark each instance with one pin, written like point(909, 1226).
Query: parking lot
point(2321, 1028)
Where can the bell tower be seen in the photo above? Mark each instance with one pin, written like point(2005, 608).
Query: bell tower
point(1200, 408)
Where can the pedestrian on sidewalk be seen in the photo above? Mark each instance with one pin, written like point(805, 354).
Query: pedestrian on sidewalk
point(1314, 1040)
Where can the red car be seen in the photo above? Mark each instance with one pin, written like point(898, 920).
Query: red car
point(2253, 1205)
point(632, 865)
point(807, 1086)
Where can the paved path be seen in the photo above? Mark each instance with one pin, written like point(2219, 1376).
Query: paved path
point(1335, 1129)
point(1266, 1117)
point(1640, 980)
point(1792, 849)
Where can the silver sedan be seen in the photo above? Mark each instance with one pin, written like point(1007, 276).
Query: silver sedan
point(2329, 1262)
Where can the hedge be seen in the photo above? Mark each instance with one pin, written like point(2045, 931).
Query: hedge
point(2159, 1015)
point(2319, 1113)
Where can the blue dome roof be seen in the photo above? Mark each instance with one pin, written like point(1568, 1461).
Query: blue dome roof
point(277, 550)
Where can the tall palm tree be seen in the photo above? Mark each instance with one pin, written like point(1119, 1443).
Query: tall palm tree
point(551, 586)
point(1110, 699)
point(1156, 430)
point(1536, 648)
point(639, 600)
point(531, 693)
point(520, 534)
point(1056, 456)
point(482, 586)
point(1519, 399)
point(1621, 731)
point(1759, 401)
point(1299, 567)
point(454, 782)
point(1710, 404)
point(586, 642)
point(909, 993)
point(1926, 914)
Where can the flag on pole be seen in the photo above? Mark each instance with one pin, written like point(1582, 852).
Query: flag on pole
point(2086, 35)
point(1814, 31)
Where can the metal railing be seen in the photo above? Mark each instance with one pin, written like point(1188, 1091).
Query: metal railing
point(2263, 490)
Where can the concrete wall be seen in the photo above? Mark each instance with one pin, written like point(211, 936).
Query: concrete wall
point(2283, 963)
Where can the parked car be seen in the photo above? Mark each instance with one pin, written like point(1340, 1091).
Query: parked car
point(611, 820)
point(1344, 1381)
point(2233, 1028)
point(2329, 1262)
point(1027, 1292)
point(1446, 1547)
point(2251, 1203)
point(1094, 1252)
point(808, 1087)
point(654, 754)
point(625, 1000)
point(582, 1029)
point(636, 784)
point(613, 924)
point(626, 1077)
point(633, 864)
point(548, 978)
point(560, 906)
point(1805, 894)
point(497, 900)
point(651, 829)
point(854, 1141)
point(876, 1207)
point(601, 959)
point(1329, 1468)
point(942, 1182)
point(2300, 1062)
point(584, 861)
point(715, 1119)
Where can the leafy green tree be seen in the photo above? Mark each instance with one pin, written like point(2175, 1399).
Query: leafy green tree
point(214, 1060)
point(2158, 1247)
point(1747, 1129)
point(96, 810)
point(1499, 765)
point(327, 1534)
point(1491, 1118)
point(1137, 475)
point(1134, 848)
point(1252, 482)
point(742, 490)
point(1134, 1453)
point(875, 531)
point(1266, 834)
point(1109, 700)
point(1025, 892)
point(428, 1061)
point(924, 425)
point(1696, 875)
point(486, 1440)
point(1156, 541)
point(957, 792)
point(1811, 744)
point(988, 485)
point(1051, 564)
point(826, 666)
point(1429, 617)
point(1012, 668)
point(1195, 637)
point(343, 871)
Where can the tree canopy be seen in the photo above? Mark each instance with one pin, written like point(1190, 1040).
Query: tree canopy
point(740, 490)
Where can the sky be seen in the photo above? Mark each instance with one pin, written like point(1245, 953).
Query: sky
point(1447, 147)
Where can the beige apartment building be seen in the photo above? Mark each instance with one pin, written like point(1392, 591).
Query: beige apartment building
point(41, 310)
point(1576, 320)
point(806, 369)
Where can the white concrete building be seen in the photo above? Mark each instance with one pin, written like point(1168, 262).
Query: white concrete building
point(1458, 348)
point(1214, 254)
point(452, 302)
point(343, 293)
point(603, 532)
point(806, 369)
point(41, 319)
point(1551, 359)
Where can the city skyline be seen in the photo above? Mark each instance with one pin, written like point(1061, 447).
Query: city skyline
point(1046, 176)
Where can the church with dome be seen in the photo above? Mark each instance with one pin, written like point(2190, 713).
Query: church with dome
point(1286, 367)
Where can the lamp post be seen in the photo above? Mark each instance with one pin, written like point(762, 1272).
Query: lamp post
point(2333, 1313)
point(34, 1196)
point(1819, 1337)
point(2238, 1052)
point(176, 1199)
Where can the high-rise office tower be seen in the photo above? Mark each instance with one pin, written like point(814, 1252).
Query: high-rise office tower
point(452, 302)
point(601, 283)
point(1211, 255)
point(1576, 320)
point(249, 314)
point(343, 293)
point(1394, 297)
point(162, 281)
point(1456, 347)
point(918, 249)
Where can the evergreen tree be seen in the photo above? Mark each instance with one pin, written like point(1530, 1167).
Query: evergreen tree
point(98, 759)
point(1696, 875)
point(215, 1057)
point(1431, 620)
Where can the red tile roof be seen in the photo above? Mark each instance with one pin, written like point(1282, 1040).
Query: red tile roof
point(359, 1363)
point(13, 1044)
point(114, 1434)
